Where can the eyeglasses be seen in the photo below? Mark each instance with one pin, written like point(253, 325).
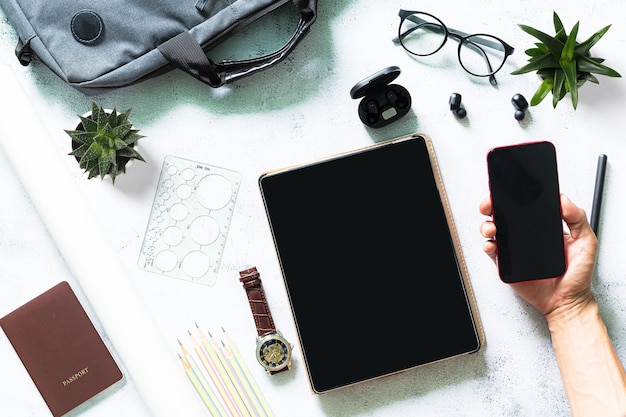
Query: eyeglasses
point(423, 34)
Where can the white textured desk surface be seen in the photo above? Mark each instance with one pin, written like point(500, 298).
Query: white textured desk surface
point(301, 110)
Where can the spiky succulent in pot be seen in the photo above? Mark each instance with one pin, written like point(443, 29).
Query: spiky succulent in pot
point(562, 63)
point(104, 142)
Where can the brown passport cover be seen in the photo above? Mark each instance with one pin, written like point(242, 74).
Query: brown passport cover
point(61, 349)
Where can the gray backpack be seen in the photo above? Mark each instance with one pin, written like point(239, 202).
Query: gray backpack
point(95, 46)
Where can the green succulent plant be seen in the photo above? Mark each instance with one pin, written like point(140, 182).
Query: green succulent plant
point(563, 63)
point(104, 142)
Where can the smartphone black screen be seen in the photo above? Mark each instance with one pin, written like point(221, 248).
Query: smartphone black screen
point(526, 206)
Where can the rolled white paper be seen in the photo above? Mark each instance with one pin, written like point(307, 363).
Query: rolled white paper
point(152, 366)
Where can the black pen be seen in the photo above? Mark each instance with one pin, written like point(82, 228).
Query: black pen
point(597, 194)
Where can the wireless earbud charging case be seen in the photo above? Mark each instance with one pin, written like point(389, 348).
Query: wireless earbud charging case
point(383, 103)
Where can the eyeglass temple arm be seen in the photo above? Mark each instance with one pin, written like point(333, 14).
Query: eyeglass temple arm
point(485, 42)
point(460, 36)
point(472, 44)
point(396, 40)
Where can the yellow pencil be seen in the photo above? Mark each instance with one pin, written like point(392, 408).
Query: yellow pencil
point(250, 400)
point(194, 381)
point(218, 362)
point(202, 381)
point(248, 375)
point(210, 368)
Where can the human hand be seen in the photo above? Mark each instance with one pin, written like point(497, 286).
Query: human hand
point(571, 290)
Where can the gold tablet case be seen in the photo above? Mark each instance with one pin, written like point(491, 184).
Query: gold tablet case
point(453, 233)
point(455, 239)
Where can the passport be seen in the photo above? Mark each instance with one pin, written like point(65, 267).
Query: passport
point(61, 349)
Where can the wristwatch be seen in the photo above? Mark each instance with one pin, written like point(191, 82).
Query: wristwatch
point(273, 351)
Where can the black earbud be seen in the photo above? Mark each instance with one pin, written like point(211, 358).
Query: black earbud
point(397, 100)
point(455, 106)
point(521, 105)
point(391, 96)
point(371, 112)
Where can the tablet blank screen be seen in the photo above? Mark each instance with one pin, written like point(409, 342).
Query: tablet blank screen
point(369, 264)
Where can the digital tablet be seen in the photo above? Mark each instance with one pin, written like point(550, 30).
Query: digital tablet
point(371, 262)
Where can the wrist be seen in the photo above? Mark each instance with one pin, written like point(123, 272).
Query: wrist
point(583, 308)
point(593, 376)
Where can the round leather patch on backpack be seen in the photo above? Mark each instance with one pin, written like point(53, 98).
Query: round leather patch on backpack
point(87, 27)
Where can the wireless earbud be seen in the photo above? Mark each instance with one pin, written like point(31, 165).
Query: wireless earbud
point(371, 112)
point(383, 103)
point(521, 105)
point(455, 106)
point(392, 97)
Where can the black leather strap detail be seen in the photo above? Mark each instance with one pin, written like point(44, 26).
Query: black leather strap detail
point(184, 52)
point(23, 52)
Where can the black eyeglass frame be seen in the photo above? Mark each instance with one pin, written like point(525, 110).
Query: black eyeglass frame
point(462, 38)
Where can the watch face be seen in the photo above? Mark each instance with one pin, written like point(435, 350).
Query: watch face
point(273, 352)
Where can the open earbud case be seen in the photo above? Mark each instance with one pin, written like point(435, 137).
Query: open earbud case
point(382, 103)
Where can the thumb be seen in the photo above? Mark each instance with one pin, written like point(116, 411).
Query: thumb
point(575, 217)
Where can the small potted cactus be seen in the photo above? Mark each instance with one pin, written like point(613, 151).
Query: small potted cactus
point(104, 142)
point(563, 63)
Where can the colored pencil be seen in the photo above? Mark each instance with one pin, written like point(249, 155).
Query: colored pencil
point(248, 376)
point(239, 393)
point(211, 371)
point(223, 365)
point(238, 380)
point(251, 400)
point(196, 384)
point(203, 382)
point(221, 370)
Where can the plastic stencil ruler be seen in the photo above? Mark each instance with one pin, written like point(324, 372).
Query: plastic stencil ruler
point(191, 213)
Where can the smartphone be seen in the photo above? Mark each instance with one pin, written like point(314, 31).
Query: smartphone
point(526, 209)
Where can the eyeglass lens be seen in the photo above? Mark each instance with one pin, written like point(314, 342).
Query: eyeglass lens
point(422, 34)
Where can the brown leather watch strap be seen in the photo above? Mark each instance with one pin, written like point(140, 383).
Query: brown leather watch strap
point(250, 278)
